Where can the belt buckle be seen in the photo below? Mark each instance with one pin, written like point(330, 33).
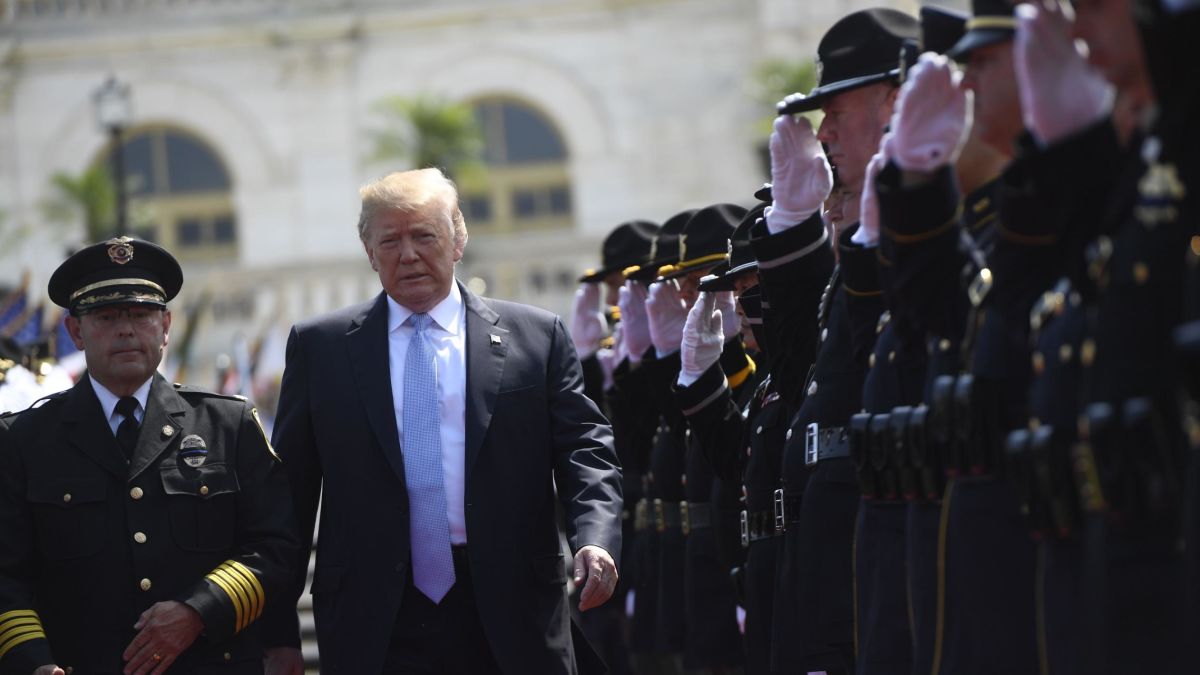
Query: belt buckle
point(780, 512)
point(745, 530)
point(811, 443)
point(685, 523)
point(660, 516)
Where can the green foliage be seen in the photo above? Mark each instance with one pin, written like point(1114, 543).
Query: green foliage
point(427, 131)
point(777, 78)
point(89, 196)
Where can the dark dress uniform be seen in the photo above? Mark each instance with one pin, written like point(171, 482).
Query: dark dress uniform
point(926, 253)
point(92, 541)
point(738, 425)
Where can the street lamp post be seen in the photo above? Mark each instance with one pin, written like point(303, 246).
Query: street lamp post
point(114, 111)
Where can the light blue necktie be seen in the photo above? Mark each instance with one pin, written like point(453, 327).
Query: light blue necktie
point(433, 567)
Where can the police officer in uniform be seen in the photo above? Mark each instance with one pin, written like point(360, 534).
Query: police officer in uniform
point(857, 89)
point(146, 525)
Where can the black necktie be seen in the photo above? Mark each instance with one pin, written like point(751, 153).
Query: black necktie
point(127, 432)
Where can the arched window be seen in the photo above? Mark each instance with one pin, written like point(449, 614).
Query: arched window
point(179, 192)
point(526, 184)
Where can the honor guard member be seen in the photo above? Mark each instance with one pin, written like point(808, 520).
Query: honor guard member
point(927, 131)
point(656, 631)
point(1126, 445)
point(738, 426)
point(628, 245)
point(145, 524)
point(858, 86)
point(929, 248)
point(708, 609)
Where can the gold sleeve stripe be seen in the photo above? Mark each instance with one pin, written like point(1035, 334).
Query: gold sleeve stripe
point(739, 377)
point(18, 627)
point(250, 582)
point(234, 596)
point(244, 594)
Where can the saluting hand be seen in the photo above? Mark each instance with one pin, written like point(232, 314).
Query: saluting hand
point(667, 312)
point(636, 334)
point(703, 339)
point(931, 120)
point(801, 177)
point(1060, 92)
point(165, 631)
point(587, 322)
point(596, 566)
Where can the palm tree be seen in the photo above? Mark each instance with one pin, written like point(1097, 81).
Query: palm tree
point(89, 195)
point(427, 131)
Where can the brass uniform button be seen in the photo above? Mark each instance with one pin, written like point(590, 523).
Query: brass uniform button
point(228, 656)
point(139, 537)
point(67, 498)
point(944, 344)
point(136, 493)
point(1087, 353)
point(204, 490)
point(1141, 273)
point(1039, 363)
point(1065, 352)
point(145, 584)
point(168, 430)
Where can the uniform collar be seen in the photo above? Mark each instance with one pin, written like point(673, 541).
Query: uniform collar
point(108, 400)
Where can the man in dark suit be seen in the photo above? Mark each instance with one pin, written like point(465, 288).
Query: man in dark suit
point(441, 432)
point(145, 526)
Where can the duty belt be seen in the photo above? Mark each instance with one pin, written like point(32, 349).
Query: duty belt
point(666, 516)
point(695, 515)
point(822, 444)
point(757, 525)
point(787, 509)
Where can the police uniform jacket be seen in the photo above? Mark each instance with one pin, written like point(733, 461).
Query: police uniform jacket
point(201, 515)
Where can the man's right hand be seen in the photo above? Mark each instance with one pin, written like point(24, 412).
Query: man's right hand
point(931, 119)
point(283, 661)
point(50, 670)
point(800, 174)
point(703, 339)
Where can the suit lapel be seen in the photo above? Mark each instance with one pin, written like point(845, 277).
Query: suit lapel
point(85, 428)
point(165, 409)
point(487, 346)
point(368, 343)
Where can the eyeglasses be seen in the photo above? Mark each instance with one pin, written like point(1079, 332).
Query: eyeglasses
point(138, 316)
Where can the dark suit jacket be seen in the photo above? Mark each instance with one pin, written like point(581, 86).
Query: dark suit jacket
point(529, 428)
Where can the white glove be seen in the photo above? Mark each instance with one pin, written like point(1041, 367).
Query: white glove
point(800, 175)
point(867, 234)
point(636, 325)
point(587, 322)
point(731, 323)
point(932, 118)
point(1060, 92)
point(703, 338)
point(667, 312)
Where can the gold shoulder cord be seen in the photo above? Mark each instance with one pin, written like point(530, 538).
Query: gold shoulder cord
point(261, 430)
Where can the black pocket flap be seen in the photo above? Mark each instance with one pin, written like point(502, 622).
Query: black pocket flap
point(67, 492)
point(204, 482)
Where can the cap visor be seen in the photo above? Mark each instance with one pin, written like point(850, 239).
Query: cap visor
point(974, 39)
point(818, 96)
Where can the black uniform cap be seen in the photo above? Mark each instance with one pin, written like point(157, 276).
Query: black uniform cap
point(627, 245)
point(941, 28)
point(991, 21)
point(117, 271)
point(704, 241)
point(665, 248)
point(862, 48)
point(741, 256)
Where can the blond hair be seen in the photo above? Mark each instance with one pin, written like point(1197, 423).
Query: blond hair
point(409, 192)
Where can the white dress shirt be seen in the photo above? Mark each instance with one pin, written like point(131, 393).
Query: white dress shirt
point(108, 403)
point(448, 336)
